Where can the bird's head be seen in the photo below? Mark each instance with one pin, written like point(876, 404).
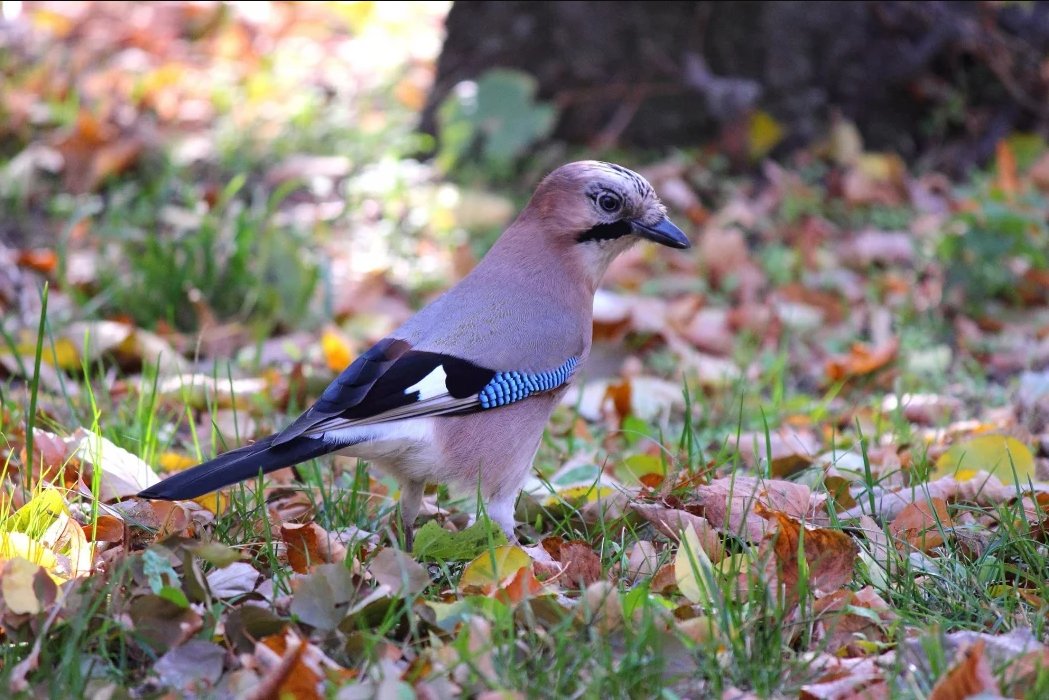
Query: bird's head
point(593, 211)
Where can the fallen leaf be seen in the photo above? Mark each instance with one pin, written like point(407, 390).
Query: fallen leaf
point(921, 524)
point(694, 573)
point(393, 568)
point(309, 545)
point(861, 360)
point(187, 666)
point(123, 474)
point(321, 598)
point(237, 579)
point(846, 618)
point(672, 522)
point(829, 555)
point(791, 450)
point(580, 564)
point(494, 566)
point(17, 586)
point(1005, 457)
point(970, 676)
point(729, 503)
point(434, 543)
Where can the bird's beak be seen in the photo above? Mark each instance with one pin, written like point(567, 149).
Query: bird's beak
point(664, 233)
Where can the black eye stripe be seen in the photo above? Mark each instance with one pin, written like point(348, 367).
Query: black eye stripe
point(605, 232)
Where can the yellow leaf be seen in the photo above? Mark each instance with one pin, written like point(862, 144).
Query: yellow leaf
point(216, 502)
point(63, 353)
point(883, 167)
point(586, 494)
point(337, 351)
point(175, 462)
point(1005, 457)
point(17, 586)
point(763, 133)
point(491, 568)
point(18, 545)
point(693, 570)
point(39, 514)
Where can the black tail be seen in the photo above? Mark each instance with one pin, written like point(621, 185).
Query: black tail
point(237, 465)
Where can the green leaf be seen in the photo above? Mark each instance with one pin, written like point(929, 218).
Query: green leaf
point(497, 117)
point(174, 596)
point(434, 543)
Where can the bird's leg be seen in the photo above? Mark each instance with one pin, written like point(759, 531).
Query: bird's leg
point(501, 511)
point(411, 501)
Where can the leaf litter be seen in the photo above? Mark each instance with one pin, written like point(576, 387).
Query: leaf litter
point(857, 487)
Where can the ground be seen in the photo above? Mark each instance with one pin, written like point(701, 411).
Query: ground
point(806, 459)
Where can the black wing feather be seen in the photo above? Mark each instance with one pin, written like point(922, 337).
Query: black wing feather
point(374, 388)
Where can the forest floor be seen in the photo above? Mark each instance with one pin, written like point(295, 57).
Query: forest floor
point(808, 458)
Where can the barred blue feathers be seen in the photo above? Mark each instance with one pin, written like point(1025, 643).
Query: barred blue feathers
point(508, 387)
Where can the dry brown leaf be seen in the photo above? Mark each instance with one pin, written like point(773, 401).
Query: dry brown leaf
point(729, 503)
point(920, 523)
point(839, 628)
point(672, 522)
point(287, 672)
point(972, 675)
point(792, 449)
point(107, 528)
point(983, 489)
point(830, 555)
point(851, 679)
point(580, 564)
point(310, 544)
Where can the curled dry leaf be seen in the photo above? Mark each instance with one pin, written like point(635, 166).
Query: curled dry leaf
point(672, 522)
point(922, 524)
point(830, 555)
point(851, 679)
point(841, 626)
point(729, 503)
point(983, 489)
point(309, 545)
point(791, 450)
point(971, 675)
point(861, 360)
point(580, 564)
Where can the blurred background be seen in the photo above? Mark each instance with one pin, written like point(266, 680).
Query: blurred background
point(282, 183)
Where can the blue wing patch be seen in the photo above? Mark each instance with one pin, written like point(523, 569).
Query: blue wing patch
point(508, 387)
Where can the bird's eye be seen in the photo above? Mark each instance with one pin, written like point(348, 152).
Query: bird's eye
point(609, 202)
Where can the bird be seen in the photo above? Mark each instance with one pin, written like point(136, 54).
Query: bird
point(461, 393)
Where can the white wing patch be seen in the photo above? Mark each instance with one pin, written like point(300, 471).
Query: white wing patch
point(432, 385)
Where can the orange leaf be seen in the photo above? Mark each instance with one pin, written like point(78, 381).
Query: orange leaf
point(918, 524)
point(107, 529)
point(830, 555)
point(289, 675)
point(972, 675)
point(42, 260)
point(522, 586)
point(337, 350)
point(308, 545)
point(861, 360)
point(1007, 179)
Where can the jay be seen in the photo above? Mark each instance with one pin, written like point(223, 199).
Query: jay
point(460, 394)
